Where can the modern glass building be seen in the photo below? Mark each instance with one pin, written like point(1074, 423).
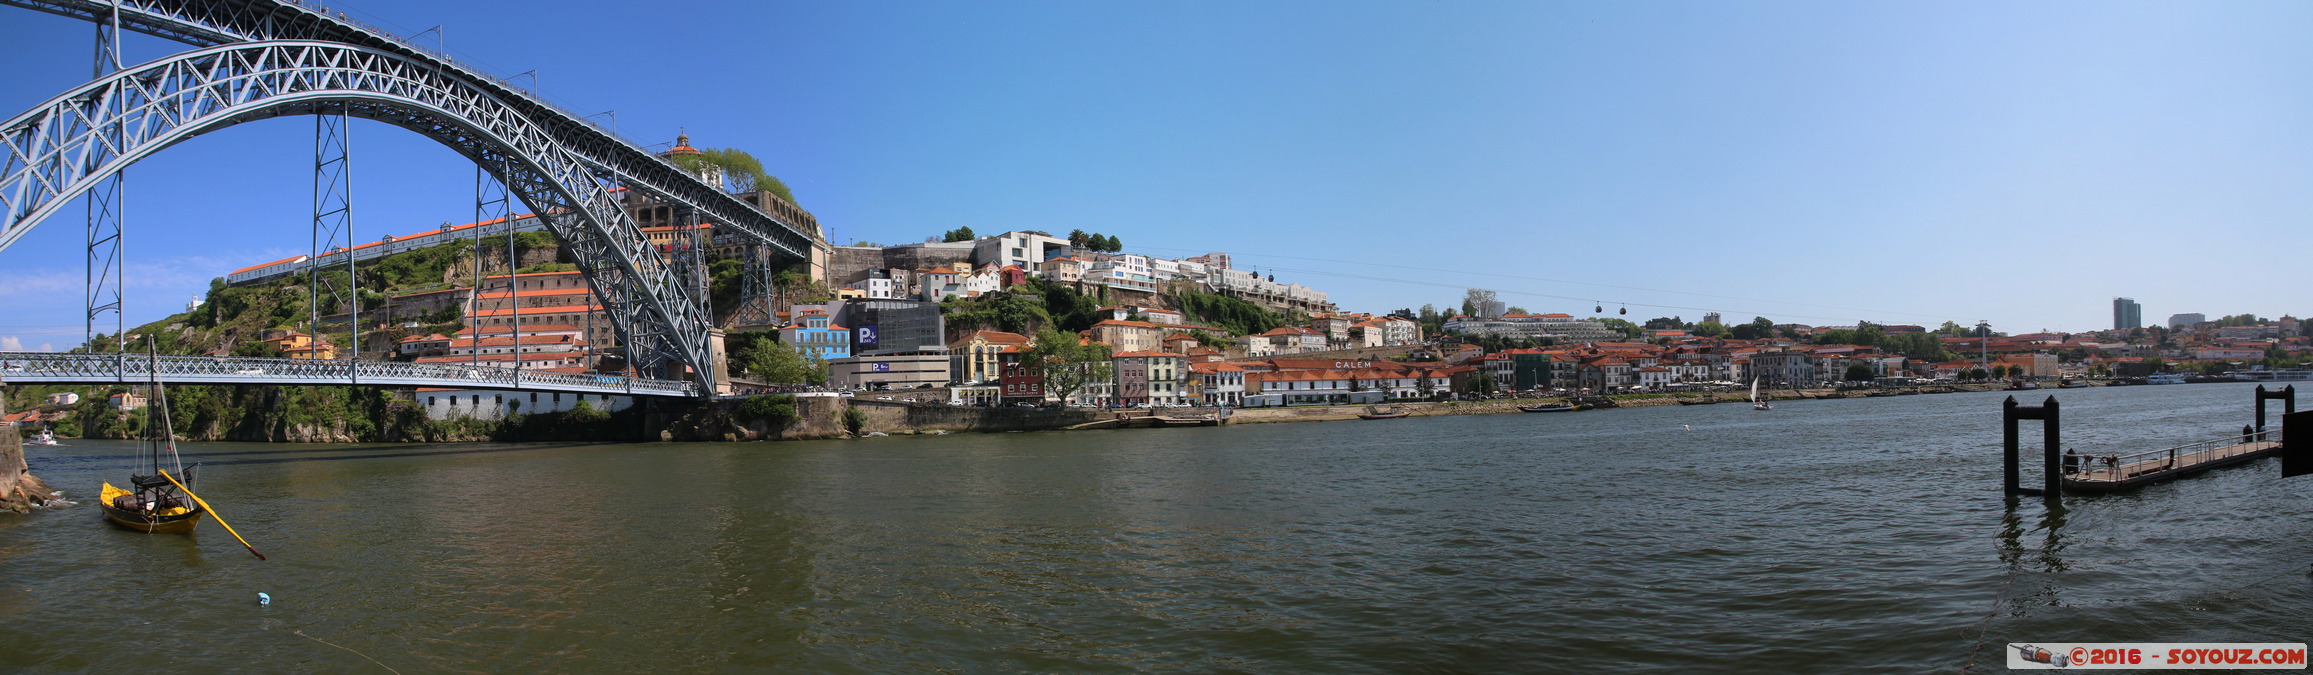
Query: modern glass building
point(2126, 314)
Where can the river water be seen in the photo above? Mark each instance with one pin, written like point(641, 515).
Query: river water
point(1858, 534)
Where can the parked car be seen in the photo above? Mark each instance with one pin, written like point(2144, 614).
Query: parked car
point(883, 398)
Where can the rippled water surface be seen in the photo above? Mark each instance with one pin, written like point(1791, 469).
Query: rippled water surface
point(1860, 534)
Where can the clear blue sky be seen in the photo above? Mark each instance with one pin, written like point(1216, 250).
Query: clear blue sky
point(1811, 162)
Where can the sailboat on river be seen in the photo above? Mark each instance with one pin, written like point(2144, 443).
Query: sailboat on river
point(1757, 404)
point(154, 501)
point(157, 501)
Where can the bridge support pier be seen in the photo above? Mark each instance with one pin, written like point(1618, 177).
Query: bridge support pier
point(2052, 479)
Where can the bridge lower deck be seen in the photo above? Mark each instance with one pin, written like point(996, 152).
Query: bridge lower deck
point(73, 368)
point(2096, 475)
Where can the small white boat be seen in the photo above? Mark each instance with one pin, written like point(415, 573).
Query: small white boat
point(1757, 404)
point(2164, 378)
point(46, 437)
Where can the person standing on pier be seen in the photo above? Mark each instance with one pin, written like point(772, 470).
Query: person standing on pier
point(2071, 461)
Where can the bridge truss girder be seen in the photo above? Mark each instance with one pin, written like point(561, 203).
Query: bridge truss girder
point(61, 148)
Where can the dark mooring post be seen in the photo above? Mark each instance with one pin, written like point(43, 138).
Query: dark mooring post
point(2012, 473)
point(2051, 467)
point(2287, 396)
point(2052, 483)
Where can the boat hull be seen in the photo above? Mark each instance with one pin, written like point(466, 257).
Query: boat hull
point(136, 521)
point(169, 519)
point(1384, 416)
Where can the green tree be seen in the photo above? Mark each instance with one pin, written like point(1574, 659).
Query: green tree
point(1922, 346)
point(1978, 374)
point(1758, 328)
point(1078, 238)
point(1069, 364)
point(742, 170)
point(777, 409)
point(1712, 329)
point(853, 420)
point(1629, 330)
point(773, 362)
point(1857, 372)
point(1476, 301)
point(1484, 384)
point(2156, 364)
point(585, 413)
point(1238, 316)
point(958, 234)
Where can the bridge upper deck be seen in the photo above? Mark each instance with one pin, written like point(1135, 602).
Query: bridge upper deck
point(55, 368)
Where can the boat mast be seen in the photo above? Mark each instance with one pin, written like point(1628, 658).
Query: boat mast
point(161, 435)
point(153, 378)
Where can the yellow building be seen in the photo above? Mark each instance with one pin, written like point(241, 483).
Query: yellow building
point(301, 346)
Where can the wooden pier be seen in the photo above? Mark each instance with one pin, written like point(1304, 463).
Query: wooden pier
point(2095, 474)
point(2090, 474)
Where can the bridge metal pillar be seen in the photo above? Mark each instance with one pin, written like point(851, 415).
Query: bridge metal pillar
point(757, 304)
point(490, 200)
point(688, 251)
point(513, 286)
point(106, 200)
point(2287, 396)
point(2052, 479)
point(333, 224)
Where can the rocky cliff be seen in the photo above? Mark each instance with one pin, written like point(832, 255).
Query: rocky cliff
point(20, 491)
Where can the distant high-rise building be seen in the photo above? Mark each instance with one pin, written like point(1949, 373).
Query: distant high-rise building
point(2126, 314)
point(2183, 320)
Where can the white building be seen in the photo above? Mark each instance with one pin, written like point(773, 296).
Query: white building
point(1400, 331)
point(1029, 250)
point(1219, 383)
point(879, 289)
point(493, 404)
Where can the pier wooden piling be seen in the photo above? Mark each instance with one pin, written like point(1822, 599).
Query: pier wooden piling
point(2052, 483)
point(2287, 396)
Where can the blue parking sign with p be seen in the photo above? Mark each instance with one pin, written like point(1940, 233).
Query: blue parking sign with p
point(867, 335)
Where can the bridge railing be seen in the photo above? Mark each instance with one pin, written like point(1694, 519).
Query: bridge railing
point(135, 369)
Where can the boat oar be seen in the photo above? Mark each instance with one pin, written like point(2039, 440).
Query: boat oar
point(213, 514)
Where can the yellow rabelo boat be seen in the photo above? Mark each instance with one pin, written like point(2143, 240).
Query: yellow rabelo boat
point(152, 502)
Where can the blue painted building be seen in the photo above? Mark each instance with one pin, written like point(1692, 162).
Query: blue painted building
point(814, 332)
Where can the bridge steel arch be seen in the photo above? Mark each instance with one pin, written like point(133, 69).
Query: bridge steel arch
point(58, 150)
point(205, 23)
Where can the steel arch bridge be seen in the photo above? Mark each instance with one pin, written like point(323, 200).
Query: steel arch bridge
point(266, 59)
